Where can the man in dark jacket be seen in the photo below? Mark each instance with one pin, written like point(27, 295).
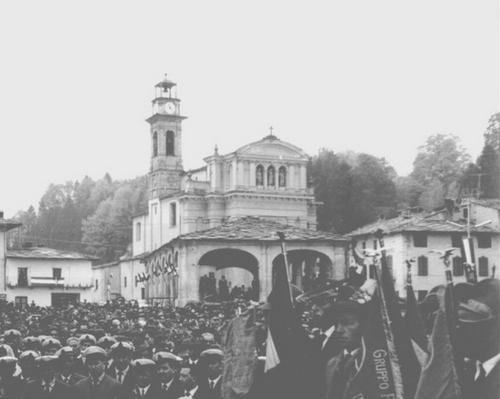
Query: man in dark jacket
point(47, 386)
point(144, 386)
point(97, 385)
point(121, 353)
point(167, 372)
point(210, 380)
point(11, 387)
point(66, 367)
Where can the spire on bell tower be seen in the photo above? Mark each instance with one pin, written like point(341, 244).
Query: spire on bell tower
point(166, 140)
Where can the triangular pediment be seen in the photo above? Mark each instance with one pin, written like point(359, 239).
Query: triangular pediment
point(272, 147)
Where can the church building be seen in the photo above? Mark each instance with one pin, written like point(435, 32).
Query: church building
point(219, 222)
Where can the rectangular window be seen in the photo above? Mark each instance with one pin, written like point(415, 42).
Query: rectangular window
point(125, 281)
point(96, 284)
point(143, 293)
point(420, 240)
point(173, 214)
point(21, 301)
point(458, 266)
point(154, 209)
point(375, 244)
point(138, 231)
point(22, 277)
point(421, 295)
point(483, 267)
point(56, 273)
point(484, 241)
point(456, 241)
point(423, 266)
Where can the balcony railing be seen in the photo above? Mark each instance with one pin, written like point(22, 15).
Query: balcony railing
point(48, 282)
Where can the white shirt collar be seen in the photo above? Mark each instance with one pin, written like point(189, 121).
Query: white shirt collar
point(166, 385)
point(488, 365)
point(193, 391)
point(328, 333)
point(215, 381)
point(143, 391)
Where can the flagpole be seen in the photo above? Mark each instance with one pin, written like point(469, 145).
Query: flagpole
point(281, 236)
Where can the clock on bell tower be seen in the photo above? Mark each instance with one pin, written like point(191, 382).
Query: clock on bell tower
point(166, 139)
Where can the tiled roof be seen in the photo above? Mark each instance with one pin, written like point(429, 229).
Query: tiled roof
point(254, 228)
point(8, 224)
point(46, 253)
point(416, 223)
point(490, 203)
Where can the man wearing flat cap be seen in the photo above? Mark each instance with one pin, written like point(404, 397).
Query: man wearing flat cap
point(50, 346)
point(143, 371)
point(167, 372)
point(66, 367)
point(28, 365)
point(211, 365)
point(47, 386)
point(121, 355)
point(97, 385)
point(13, 338)
point(188, 384)
point(11, 386)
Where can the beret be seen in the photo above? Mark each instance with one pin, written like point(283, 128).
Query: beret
point(164, 357)
point(29, 354)
point(45, 361)
point(12, 333)
point(208, 336)
point(122, 346)
point(65, 350)
point(72, 339)
point(106, 340)
point(94, 351)
point(31, 340)
point(50, 343)
point(142, 363)
point(212, 352)
point(8, 361)
point(87, 338)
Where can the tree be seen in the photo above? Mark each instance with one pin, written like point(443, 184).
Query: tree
point(441, 159)
point(489, 166)
point(492, 134)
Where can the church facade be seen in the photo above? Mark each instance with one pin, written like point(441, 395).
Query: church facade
point(220, 220)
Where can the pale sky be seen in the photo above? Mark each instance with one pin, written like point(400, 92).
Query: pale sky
point(77, 77)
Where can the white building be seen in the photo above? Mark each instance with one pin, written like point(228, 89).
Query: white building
point(417, 235)
point(43, 275)
point(263, 183)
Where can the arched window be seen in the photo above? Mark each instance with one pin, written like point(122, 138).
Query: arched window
point(458, 267)
point(423, 269)
point(271, 176)
point(170, 143)
point(138, 231)
point(282, 176)
point(259, 175)
point(155, 144)
point(483, 267)
point(176, 260)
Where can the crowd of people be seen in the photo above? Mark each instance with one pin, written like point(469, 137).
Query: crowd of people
point(212, 289)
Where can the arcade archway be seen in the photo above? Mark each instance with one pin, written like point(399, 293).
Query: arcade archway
point(227, 273)
point(308, 269)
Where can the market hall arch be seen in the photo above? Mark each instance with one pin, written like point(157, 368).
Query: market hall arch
point(308, 268)
point(238, 267)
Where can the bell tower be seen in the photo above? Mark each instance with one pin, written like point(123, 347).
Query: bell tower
point(166, 141)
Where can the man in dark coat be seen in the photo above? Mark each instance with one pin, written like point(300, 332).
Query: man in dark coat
point(11, 387)
point(66, 367)
point(210, 379)
point(143, 387)
point(47, 386)
point(119, 369)
point(167, 372)
point(97, 385)
point(188, 384)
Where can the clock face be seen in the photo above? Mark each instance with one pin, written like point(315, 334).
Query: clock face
point(169, 108)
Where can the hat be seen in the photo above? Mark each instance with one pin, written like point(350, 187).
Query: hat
point(65, 351)
point(106, 341)
point(481, 302)
point(6, 350)
point(51, 343)
point(89, 338)
point(212, 353)
point(29, 355)
point(122, 347)
point(72, 339)
point(12, 333)
point(208, 336)
point(31, 340)
point(46, 361)
point(8, 363)
point(94, 352)
point(139, 364)
point(166, 357)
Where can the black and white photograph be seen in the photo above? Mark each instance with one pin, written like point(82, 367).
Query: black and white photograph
point(250, 199)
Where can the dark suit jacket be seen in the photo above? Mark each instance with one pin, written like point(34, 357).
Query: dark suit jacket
point(128, 381)
point(488, 388)
point(206, 393)
point(107, 389)
point(13, 388)
point(73, 379)
point(34, 390)
point(339, 373)
point(154, 392)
